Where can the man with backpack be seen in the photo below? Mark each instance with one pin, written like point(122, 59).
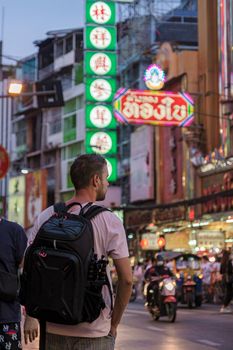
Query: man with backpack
point(13, 243)
point(87, 318)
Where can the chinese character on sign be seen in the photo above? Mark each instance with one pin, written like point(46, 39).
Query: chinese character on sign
point(100, 89)
point(100, 63)
point(101, 143)
point(100, 37)
point(100, 12)
point(100, 116)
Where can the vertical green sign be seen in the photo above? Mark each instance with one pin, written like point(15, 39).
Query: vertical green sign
point(100, 67)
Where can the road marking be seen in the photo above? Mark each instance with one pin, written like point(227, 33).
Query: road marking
point(155, 329)
point(136, 311)
point(208, 342)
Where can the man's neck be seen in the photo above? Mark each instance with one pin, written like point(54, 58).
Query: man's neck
point(82, 197)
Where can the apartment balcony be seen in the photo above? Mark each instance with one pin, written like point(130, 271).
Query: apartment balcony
point(65, 60)
point(45, 72)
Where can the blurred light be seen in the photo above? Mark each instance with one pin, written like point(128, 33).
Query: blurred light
point(193, 242)
point(15, 88)
point(212, 259)
point(24, 171)
point(130, 236)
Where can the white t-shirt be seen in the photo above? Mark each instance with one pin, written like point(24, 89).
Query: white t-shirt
point(109, 240)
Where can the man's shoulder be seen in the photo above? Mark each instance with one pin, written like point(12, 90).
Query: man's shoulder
point(108, 214)
point(11, 225)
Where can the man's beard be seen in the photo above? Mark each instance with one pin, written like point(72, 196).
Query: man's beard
point(100, 196)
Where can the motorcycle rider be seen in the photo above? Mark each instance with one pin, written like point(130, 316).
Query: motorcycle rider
point(153, 275)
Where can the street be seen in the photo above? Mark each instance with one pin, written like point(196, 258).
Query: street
point(201, 329)
point(197, 329)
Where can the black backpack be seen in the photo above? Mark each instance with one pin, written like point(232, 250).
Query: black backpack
point(62, 278)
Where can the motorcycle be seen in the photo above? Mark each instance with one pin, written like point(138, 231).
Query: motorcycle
point(165, 305)
point(189, 290)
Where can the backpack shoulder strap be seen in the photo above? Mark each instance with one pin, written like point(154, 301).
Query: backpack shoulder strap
point(93, 211)
point(60, 208)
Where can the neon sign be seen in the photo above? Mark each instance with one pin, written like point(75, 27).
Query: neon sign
point(154, 77)
point(153, 107)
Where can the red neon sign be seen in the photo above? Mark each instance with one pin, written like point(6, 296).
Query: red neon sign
point(153, 107)
point(4, 162)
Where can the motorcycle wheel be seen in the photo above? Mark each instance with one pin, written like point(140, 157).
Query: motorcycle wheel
point(189, 301)
point(198, 301)
point(155, 317)
point(171, 312)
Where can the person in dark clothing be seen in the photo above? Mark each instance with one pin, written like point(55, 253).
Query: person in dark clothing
point(227, 279)
point(153, 274)
point(13, 243)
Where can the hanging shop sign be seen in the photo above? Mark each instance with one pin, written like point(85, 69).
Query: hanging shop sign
point(101, 38)
point(4, 162)
point(16, 202)
point(100, 117)
point(100, 66)
point(36, 195)
point(154, 77)
point(101, 63)
point(101, 142)
point(100, 90)
point(101, 12)
point(153, 107)
point(112, 169)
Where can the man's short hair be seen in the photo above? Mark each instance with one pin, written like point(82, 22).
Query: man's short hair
point(84, 168)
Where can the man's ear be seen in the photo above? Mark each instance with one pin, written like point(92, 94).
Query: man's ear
point(95, 180)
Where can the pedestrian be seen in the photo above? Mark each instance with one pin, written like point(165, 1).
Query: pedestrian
point(206, 271)
point(227, 279)
point(138, 274)
point(13, 242)
point(89, 175)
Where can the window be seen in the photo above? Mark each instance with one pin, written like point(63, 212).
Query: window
point(79, 73)
point(20, 132)
point(71, 151)
point(80, 101)
point(70, 106)
point(69, 44)
point(59, 48)
point(69, 130)
point(55, 127)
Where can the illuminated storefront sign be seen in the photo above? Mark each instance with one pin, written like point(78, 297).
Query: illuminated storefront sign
point(36, 195)
point(101, 63)
point(16, 201)
point(100, 117)
point(100, 90)
point(100, 12)
point(101, 38)
point(112, 169)
point(4, 162)
point(154, 77)
point(100, 66)
point(101, 142)
point(153, 107)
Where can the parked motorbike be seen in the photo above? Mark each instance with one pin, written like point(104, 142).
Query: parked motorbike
point(165, 305)
point(189, 290)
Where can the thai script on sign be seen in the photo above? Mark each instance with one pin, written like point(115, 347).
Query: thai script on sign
point(165, 108)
